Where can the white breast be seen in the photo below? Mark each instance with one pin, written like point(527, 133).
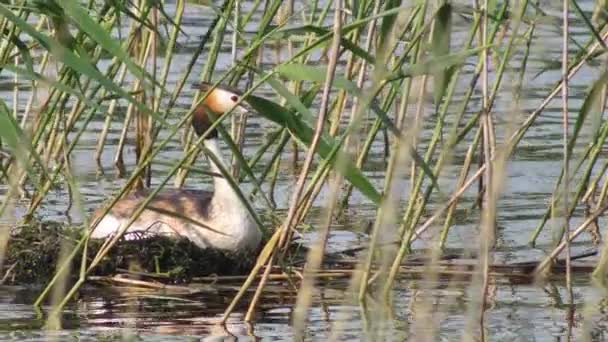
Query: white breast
point(240, 232)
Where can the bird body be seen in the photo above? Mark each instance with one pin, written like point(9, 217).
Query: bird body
point(217, 219)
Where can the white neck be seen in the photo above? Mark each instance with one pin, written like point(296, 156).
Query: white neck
point(230, 213)
point(221, 186)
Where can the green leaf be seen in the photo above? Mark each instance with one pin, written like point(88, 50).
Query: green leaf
point(588, 106)
point(302, 132)
point(21, 148)
point(388, 21)
point(26, 57)
point(302, 72)
point(291, 99)
point(120, 6)
point(81, 17)
point(434, 65)
point(596, 34)
point(34, 76)
point(286, 32)
point(440, 46)
point(79, 63)
point(321, 31)
point(9, 129)
point(492, 5)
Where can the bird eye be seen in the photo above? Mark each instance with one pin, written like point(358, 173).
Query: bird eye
point(234, 98)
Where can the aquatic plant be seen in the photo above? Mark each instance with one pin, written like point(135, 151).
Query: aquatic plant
point(348, 75)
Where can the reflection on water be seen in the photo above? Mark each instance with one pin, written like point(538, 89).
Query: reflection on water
point(420, 309)
point(516, 312)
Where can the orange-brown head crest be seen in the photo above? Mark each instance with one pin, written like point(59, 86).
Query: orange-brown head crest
point(218, 101)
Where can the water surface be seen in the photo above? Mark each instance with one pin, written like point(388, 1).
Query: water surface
point(516, 312)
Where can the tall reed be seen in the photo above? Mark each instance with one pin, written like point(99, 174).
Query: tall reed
point(342, 81)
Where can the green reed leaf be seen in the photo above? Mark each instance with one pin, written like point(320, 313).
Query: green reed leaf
point(388, 21)
point(322, 31)
point(289, 31)
point(79, 63)
point(302, 72)
point(304, 133)
point(291, 99)
point(34, 76)
point(594, 31)
point(440, 46)
point(438, 64)
point(589, 106)
point(9, 129)
point(17, 143)
point(81, 17)
point(24, 52)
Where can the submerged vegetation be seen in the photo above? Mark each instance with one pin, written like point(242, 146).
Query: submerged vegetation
point(330, 84)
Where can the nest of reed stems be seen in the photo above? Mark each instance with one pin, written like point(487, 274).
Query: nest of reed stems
point(34, 252)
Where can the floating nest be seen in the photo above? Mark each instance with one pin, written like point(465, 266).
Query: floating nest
point(34, 251)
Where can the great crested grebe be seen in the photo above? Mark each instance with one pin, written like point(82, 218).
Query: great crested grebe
point(215, 219)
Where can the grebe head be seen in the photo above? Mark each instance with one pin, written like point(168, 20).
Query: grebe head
point(219, 101)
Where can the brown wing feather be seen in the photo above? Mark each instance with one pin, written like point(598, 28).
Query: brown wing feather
point(188, 203)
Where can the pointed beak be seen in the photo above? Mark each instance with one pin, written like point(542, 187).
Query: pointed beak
point(243, 108)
